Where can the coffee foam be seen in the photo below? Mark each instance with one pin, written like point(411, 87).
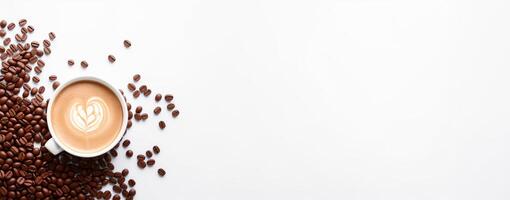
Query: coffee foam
point(90, 116)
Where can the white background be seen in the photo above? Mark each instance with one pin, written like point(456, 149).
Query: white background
point(366, 99)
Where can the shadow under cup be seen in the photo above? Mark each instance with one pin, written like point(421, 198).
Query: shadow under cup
point(86, 117)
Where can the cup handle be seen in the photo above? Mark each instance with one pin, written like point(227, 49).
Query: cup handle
point(53, 147)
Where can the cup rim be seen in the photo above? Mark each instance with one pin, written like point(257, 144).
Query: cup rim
point(119, 96)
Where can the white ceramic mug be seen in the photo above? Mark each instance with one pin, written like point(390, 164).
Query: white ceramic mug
point(55, 145)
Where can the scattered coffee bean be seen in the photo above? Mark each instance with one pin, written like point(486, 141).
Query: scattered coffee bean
point(2, 33)
point(175, 113)
point(138, 109)
point(147, 93)
point(156, 149)
point(170, 106)
point(136, 94)
point(36, 79)
point(129, 153)
point(116, 197)
point(161, 172)
point(131, 87)
point(53, 77)
point(111, 58)
point(131, 182)
point(129, 124)
point(55, 85)
point(136, 77)
point(151, 162)
point(126, 143)
point(148, 153)
point(113, 152)
point(51, 35)
point(7, 41)
point(141, 163)
point(125, 172)
point(127, 43)
point(47, 51)
point(84, 64)
point(3, 23)
point(162, 125)
point(70, 62)
point(11, 26)
point(140, 157)
point(157, 110)
point(169, 97)
point(116, 189)
point(157, 98)
point(41, 89)
point(30, 29)
point(46, 43)
point(143, 88)
point(22, 22)
point(145, 116)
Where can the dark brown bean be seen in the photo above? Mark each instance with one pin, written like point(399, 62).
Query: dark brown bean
point(175, 113)
point(55, 85)
point(53, 77)
point(30, 29)
point(46, 43)
point(47, 51)
point(41, 89)
point(158, 97)
point(147, 93)
point(36, 79)
point(3, 23)
point(170, 106)
point(151, 162)
point(157, 110)
point(70, 62)
point(51, 35)
point(111, 58)
point(141, 164)
point(131, 87)
point(7, 41)
point(169, 97)
point(148, 153)
point(136, 94)
point(127, 43)
point(140, 157)
point(156, 149)
point(131, 182)
point(162, 125)
point(22, 22)
point(84, 64)
point(126, 143)
point(161, 172)
point(129, 153)
point(138, 109)
point(136, 77)
point(125, 172)
point(2, 33)
point(11, 26)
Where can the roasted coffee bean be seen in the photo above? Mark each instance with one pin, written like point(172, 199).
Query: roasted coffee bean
point(46, 43)
point(131, 193)
point(147, 93)
point(127, 43)
point(143, 88)
point(161, 172)
point(136, 77)
point(37, 70)
point(175, 113)
point(145, 116)
point(2, 33)
point(141, 163)
point(22, 22)
point(41, 63)
point(7, 41)
point(129, 124)
point(3, 23)
point(126, 143)
point(111, 58)
point(157, 110)
point(157, 98)
point(51, 35)
point(138, 109)
point(84, 64)
point(113, 152)
point(170, 106)
point(125, 172)
point(148, 153)
point(136, 94)
point(116, 189)
point(53, 77)
point(129, 153)
point(41, 89)
point(162, 125)
point(131, 87)
point(70, 62)
point(47, 51)
point(140, 157)
point(156, 149)
point(107, 195)
point(11, 26)
point(36, 79)
point(55, 85)
point(151, 162)
point(30, 29)
point(169, 97)
point(131, 182)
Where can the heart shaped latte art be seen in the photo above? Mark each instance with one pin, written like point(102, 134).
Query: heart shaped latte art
point(87, 118)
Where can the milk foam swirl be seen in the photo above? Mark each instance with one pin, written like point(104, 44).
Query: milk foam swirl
point(89, 117)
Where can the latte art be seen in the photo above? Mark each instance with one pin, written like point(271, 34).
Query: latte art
point(88, 117)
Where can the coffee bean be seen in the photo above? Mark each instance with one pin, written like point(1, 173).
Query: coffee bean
point(55, 85)
point(145, 116)
point(3, 23)
point(140, 157)
point(125, 172)
point(47, 51)
point(111, 58)
point(169, 97)
point(41, 89)
point(129, 153)
point(41, 63)
point(126, 143)
point(170, 106)
point(127, 43)
point(129, 124)
point(131, 87)
point(131, 182)
point(107, 195)
point(84, 64)
point(136, 94)
point(157, 110)
point(148, 153)
point(156, 149)
point(53, 77)
point(70, 62)
point(51, 35)
point(138, 109)
point(2, 33)
point(141, 164)
point(22, 22)
point(157, 98)
point(175, 113)
point(37, 70)
point(136, 77)
point(147, 93)
point(143, 88)
point(11, 26)
point(113, 152)
point(151, 162)
point(116, 189)
point(7, 41)
point(18, 37)
point(162, 125)
point(30, 29)
point(36, 79)
point(46, 43)
point(116, 197)
point(161, 172)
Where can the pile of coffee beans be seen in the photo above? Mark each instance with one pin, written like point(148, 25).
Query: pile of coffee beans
point(27, 169)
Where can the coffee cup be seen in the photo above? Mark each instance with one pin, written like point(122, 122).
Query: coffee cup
point(86, 117)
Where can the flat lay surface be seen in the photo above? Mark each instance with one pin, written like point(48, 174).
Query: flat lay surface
point(310, 100)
